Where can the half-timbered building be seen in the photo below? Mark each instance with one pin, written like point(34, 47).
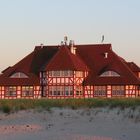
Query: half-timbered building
point(71, 71)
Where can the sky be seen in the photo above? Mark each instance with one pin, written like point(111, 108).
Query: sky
point(27, 23)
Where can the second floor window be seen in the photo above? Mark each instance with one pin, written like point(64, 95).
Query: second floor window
point(60, 73)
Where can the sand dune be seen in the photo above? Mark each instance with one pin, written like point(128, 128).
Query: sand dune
point(68, 124)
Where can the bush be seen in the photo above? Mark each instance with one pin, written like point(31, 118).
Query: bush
point(22, 104)
point(6, 109)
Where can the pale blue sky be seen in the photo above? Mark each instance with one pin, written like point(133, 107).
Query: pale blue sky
point(26, 23)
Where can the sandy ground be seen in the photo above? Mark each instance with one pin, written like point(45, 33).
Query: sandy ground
point(68, 124)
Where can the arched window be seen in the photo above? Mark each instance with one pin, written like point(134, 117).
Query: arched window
point(109, 74)
point(19, 75)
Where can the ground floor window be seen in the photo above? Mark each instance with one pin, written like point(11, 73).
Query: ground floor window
point(60, 90)
point(11, 91)
point(27, 91)
point(100, 91)
point(68, 90)
point(118, 90)
point(79, 90)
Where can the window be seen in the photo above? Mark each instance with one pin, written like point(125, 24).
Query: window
point(61, 73)
point(79, 74)
point(56, 73)
point(110, 74)
point(68, 90)
point(10, 91)
point(18, 75)
point(27, 91)
point(99, 91)
point(55, 91)
point(118, 91)
point(60, 90)
point(79, 90)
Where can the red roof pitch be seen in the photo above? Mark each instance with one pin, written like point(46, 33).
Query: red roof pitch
point(133, 66)
point(30, 65)
point(65, 60)
point(32, 80)
point(88, 58)
point(94, 57)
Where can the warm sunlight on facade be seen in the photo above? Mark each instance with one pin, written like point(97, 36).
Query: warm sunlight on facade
point(71, 71)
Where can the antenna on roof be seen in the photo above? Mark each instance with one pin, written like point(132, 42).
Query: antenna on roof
point(103, 37)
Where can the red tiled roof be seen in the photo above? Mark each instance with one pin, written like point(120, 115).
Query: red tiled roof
point(32, 80)
point(88, 57)
point(30, 65)
point(93, 56)
point(21, 66)
point(65, 60)
point(133, 66)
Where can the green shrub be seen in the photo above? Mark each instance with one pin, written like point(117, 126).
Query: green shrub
point(22, 104)
point(6, 109)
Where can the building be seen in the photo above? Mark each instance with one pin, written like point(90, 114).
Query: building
point(71, 71)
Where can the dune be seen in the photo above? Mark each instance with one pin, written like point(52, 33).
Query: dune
point(70, 124)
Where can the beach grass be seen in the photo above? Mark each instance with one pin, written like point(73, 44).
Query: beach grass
point(7, 105)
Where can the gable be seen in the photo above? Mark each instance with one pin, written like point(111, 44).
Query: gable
point(65, 60)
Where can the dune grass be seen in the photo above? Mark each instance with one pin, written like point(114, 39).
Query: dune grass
point(8, 106)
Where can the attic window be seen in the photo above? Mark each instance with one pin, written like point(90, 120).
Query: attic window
point(110, 74)
point(19, 75)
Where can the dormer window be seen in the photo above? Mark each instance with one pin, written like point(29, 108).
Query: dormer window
point(110, 74)
point(19, 75)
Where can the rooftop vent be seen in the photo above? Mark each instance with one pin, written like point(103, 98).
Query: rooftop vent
point(106, 55)
point(41, 45)
point(62, 43)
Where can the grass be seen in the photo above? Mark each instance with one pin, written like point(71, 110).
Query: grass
point(8, 106)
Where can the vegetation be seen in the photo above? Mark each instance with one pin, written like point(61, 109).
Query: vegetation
point(8, 106)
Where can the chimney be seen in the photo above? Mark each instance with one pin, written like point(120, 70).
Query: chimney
point(65, 40)
point(72, 48)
